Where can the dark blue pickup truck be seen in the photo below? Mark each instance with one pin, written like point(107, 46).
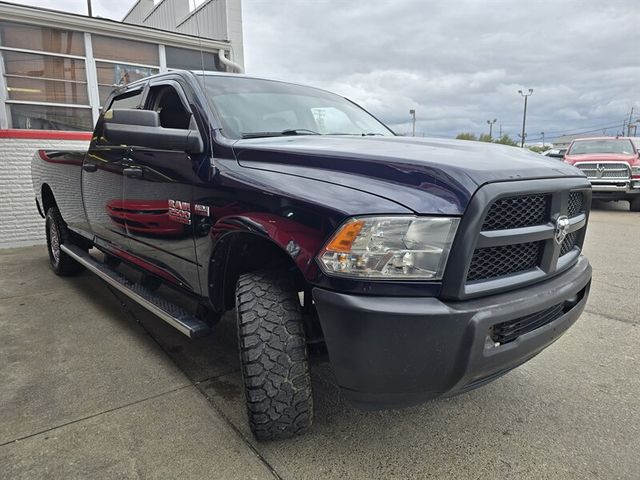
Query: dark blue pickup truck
point(422, 267)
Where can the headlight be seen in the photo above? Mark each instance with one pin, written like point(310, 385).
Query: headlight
point(400, 248)
point(635, 171)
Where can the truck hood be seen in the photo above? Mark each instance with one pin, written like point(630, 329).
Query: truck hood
point(424, 175)
point(602, 157)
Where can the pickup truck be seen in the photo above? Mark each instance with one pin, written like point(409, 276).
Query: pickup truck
point(419, 267)
point(612, 165)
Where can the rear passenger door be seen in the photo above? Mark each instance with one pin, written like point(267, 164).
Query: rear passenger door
point(157, 194)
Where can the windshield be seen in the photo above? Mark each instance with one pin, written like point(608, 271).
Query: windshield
point(614, 145)
point(250, 108)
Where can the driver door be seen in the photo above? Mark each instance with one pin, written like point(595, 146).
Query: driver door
point(158, 193)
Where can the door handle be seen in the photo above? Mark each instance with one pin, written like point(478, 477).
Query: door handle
point(89, 167)
point(132, 172)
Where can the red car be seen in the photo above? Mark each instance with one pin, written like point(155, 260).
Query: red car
point(612, 165)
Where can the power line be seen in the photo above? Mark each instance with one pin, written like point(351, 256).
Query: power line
point(579, 133)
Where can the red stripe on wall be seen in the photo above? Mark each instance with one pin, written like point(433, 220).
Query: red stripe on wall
point(45, 134)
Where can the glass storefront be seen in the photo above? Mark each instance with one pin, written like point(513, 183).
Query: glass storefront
point(47, 71)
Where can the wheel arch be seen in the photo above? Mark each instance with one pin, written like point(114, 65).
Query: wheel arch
point(48, 198)
point(241, 252)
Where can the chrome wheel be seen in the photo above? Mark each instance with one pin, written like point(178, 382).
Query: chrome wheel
point(54, 243)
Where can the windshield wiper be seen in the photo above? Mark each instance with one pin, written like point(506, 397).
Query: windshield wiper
point(363, 134)
point(289, 131)
point(299, 131)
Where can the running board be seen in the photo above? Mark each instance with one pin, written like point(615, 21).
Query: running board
point(171, 313)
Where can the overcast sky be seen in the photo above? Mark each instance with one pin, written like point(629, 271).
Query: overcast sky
point(457, 63)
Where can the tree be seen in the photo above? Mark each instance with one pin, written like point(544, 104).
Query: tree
point(507, 140)
point(538, 149)
point(466, 136)
point(485, 138)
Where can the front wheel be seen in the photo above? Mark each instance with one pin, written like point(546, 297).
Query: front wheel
point(273, 356)
point(57, 235)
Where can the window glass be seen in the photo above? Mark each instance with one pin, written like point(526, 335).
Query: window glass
point(40, 117)
point(43, 66)
point(186, 59)
point(128, 100)
point(44, 39)
point(111, 48)
point(585, 147)
point(250, 107)
point(113, 74)
point(45, 78)
point(53, 91)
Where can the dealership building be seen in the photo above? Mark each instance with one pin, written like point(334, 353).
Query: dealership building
point(57, 69)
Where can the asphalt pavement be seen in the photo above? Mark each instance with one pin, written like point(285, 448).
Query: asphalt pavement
point(93, 386)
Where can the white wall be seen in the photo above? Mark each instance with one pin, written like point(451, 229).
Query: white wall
point(20, 223)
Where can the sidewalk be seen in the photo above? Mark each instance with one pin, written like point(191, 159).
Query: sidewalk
point(87, 393)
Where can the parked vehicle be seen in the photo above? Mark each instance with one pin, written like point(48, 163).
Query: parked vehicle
point(612, 165)
point(555, 153)
point(425, 267)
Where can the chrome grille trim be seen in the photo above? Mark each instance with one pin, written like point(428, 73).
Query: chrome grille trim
point(605, 170)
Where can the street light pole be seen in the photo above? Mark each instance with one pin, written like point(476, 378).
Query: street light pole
point(491, 122)
point(524, 114)
point(413, 113)
point(542, 133)
point(90, 10)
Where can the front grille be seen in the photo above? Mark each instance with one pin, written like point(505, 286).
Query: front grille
point(508, 331)
point(516, 212)
point(504, 260)
point(576, 204)
point(568, 243)
point(607, 170)
point(507, 237)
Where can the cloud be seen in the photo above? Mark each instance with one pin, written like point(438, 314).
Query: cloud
point(458, 64)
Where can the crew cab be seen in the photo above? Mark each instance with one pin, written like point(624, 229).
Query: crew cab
point(612, 165)
point(419, 267)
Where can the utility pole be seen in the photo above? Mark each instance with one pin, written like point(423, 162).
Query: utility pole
point(629, 123)
point(491, 122)
point(542, 133)
point(413, 113)
point(89, 8)
point(524, 114)
point(523, 137)
point(500, 130)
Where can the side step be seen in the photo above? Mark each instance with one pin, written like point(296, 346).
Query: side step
point(171, 313)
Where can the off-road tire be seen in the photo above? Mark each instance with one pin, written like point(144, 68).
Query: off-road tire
point(634, 204)
point(57, 234)
point(273, 355)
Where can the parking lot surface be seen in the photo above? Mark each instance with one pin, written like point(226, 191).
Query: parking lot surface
point(92, 386)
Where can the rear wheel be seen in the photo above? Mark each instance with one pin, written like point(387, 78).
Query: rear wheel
point(634, 204)
point(57, 235)
point(273, 355)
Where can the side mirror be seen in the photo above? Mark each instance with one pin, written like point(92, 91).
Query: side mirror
point(141, 128)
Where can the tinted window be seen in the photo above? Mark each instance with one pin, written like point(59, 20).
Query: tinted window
point(183, 58)
point(128, 100)
point(44, 39)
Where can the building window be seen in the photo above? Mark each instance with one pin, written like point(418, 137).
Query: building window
point(127, 51)
point(45, 78)
point(42, 39)
point(48, 117)
point(185, 59)
point(111, 75)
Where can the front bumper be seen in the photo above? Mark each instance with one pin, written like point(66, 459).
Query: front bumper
point(394, 352)
point(615, 190)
